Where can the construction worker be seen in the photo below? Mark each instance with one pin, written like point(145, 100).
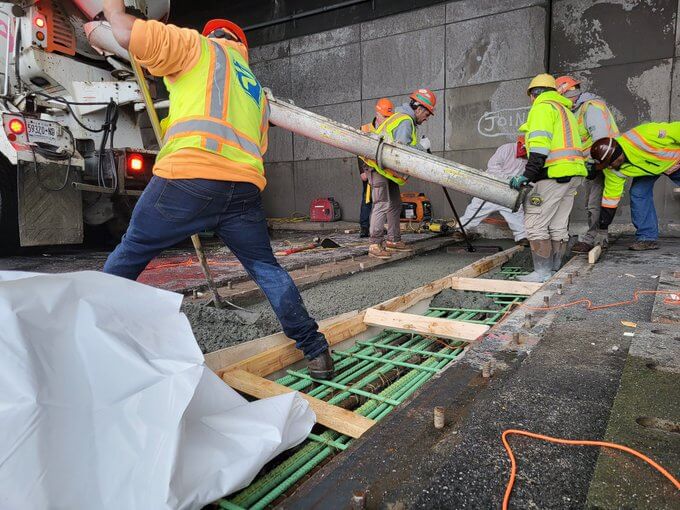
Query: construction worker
point(643, 153)
point(556, 168)
point(384, 109)
point(209, 173)
point(595, 121)
point(508, 160)
point(401, 127)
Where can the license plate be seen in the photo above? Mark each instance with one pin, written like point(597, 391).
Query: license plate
point(43, 131)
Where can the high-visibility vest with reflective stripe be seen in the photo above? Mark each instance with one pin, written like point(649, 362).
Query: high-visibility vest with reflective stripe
point(218, 106)
point(650, 149)
point(560, 142)
point(586, 138)
point(388, 128)
point(367, 128)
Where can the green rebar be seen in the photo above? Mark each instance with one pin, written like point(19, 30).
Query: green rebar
point(388, 362)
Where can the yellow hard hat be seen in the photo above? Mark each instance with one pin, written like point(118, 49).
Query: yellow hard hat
point(542, 80)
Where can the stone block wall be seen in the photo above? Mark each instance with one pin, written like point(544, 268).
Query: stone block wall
point(478, 57)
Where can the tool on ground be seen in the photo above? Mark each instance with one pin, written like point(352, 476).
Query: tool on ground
point(318, 243)
point(415, 207)
point(247, 316)
point(470, 248)
point(325, 209)
point(437, 226)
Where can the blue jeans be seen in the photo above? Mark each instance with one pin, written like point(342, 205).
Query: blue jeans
point(171, 210)
point(365, 214)
point(642, 210)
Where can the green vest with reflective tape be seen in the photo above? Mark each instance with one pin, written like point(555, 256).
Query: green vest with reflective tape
point(388, 128)
point(218, 106)
point(552, 130)
point(586, 139)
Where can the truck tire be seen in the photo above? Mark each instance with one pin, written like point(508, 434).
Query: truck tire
point(9, 210)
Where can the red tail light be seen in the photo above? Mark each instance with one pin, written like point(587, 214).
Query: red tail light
point(17, 126)
point(135, 163)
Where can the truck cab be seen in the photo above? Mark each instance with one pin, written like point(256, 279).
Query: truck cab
point(76, 145)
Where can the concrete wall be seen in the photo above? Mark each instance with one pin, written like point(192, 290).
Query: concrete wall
point(478, 57)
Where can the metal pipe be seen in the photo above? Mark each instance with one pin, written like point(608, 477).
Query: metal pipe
point(396, 156)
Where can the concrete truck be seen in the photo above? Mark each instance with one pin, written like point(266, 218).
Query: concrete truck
point(76, 145)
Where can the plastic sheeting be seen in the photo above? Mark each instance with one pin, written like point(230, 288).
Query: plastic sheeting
point(105, 401)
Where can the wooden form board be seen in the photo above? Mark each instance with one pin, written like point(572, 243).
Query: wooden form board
point(428, 326)
point(500, 286)
point(594, 254)
point(279, 357)
point(335, 418)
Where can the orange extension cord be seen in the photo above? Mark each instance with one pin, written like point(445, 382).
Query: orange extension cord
point(573, 442)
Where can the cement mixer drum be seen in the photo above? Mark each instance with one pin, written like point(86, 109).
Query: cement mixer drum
point(152, 9)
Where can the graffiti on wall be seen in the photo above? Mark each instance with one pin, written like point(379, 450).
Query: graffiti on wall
point(505, 122)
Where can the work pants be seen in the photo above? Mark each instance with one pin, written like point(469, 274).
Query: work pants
point(515, 220)
point(642, 210)
point(592, 190)
point(386, 208)
point(547, 208)
point(366, 206)
point(171, 210)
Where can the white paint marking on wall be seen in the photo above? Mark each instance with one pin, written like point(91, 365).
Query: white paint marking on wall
point(504, 122)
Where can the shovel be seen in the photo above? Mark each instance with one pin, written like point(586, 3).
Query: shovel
point(318, 243)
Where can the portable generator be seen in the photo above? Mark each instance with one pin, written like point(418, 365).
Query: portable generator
point(324, 209)
point(415, 207)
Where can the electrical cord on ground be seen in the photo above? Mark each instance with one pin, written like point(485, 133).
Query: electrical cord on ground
point(572, 442)
point(475, 214)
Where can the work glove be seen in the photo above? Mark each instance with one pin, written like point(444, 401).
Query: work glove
point(602, 238)
point(426, 144)
point(592, 173)
point(518, 181)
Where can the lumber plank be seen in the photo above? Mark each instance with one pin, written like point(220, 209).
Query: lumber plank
point(336, 418)
point(281, 356)
point(594, 254)
point(503, 286)
point(429, 326)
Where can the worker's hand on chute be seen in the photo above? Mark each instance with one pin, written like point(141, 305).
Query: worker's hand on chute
point(519, 181)
point(426, 144)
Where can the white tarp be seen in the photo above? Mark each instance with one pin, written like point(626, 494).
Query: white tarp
point(105, 401)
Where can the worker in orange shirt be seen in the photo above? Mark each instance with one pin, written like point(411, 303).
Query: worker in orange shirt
point(384, 109)
point(209, 173)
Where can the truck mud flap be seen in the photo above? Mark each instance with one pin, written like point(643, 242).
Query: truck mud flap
point(48, 217)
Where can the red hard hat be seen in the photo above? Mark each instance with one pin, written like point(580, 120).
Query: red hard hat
point(384, 107)
point(565, 83)
point(225, 24)
point(426, 98)
point(521, 151)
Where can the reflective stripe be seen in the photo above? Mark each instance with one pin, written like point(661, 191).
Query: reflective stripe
point(610, 203)
point(634, 138)
point(540, 150)
point(219, 82)
point(564, 154)
point(617, 173)
point(212, 130)
point(538, 133)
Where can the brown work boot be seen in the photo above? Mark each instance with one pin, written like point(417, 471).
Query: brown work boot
point(396, 246)
point(375, 250)
point(322, 367)
point(582, 247)
point(644, 246)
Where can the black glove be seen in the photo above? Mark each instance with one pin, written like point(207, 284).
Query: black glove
point(535, 169)
point(592, 173)
point(606, 217)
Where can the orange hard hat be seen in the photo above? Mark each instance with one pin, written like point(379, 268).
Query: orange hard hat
point(384, 107)
point(425, 98)
point(227, 25)
point(565, 83)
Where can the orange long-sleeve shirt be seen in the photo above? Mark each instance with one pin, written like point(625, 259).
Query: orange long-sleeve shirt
point(170, 51)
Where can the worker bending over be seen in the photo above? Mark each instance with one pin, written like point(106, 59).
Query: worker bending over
point(508, 161)
point(595, 121)
point(556, 168)
point(644, 153)
point(209, 173)
point(401, 127)
point(384, 109)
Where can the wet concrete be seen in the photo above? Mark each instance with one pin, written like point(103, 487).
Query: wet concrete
point(216, 329)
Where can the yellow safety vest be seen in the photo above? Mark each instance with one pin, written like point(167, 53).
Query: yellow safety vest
point(556, 138)
point(389, 127)
point(586, 139)
point(218, 106)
